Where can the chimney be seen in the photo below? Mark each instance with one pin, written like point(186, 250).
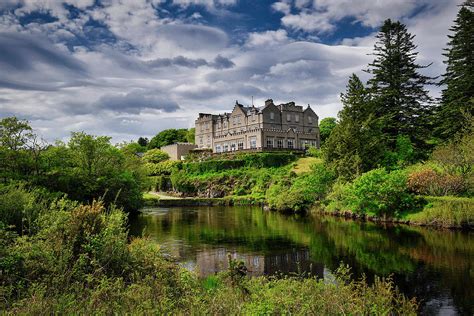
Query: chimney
point(268, 102)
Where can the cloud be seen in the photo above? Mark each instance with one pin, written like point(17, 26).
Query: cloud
point(322, 16)
point(34, 63)
point(267, 38)
point(136, 101)
point(181, 61)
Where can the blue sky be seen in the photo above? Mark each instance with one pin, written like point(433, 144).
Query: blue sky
point(132, 68)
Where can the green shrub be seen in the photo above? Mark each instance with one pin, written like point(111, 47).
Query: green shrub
point(181, 183)
point(380, 193)
point(300, 194)
point(212, 166)
point(267, 160)
point(155, 156)
point(20, 207)
point(163, 168)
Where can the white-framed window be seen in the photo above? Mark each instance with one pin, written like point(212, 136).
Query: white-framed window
point(272, 116)
point(226, 147)
point(290, 143)
point(310, 119)
point(280, 143)
point(269, 142)
point(297, 118)
point(218, 148)
point(240, 145)
point(288, 117)
point(232, 147)
point(253, 142)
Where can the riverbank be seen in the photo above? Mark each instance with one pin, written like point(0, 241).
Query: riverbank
point(155, 199)
point(439, 212)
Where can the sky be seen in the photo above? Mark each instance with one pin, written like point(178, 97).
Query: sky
point(133, 68)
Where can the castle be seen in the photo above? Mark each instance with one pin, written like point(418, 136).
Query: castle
point(270, 127)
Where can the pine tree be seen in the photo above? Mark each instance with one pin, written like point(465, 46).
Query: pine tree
point(458, 96)
point(356, 143)
point(398, 89)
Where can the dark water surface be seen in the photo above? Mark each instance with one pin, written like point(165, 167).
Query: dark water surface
point(434, 266)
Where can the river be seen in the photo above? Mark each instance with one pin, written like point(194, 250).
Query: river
point(435, 266)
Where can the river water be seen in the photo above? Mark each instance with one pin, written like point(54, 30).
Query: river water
point(435, 266)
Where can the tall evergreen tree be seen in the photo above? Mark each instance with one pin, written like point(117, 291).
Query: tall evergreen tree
point(458, 96)
point(356, 144)
point(398, 88)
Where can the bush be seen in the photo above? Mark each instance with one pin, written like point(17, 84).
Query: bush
point(21, 207)
point(304, 191)
point(181, 183)
point(380, 193)
point(155, 156)
point(267, 160)
point(213, 166)
point(430, 182)
point(163, 168)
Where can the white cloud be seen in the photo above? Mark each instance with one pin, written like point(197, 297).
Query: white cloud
point(267, 38)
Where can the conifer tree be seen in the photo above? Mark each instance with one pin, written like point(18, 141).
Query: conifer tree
point(458, 96)
point(397, 87)
point(356, 143)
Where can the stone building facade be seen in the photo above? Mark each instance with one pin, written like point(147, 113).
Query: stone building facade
point(178, 151)
point(285, 126)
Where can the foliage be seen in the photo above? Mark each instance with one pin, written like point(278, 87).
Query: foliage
point(163, 168)
point(132, 148)
point(430, 182)
point(325, 128)
point(155, 156)
point(398, 88)
point(190, 136)
point(143, 141)
point(403, 154)
point(267, 160)
point(356, 143)
point(20, 207)
point(457, 156)
point(380, 193)
point(168, 137)
point(458, 96)
point(298, 195)
point(447, 211)
point(213, 165)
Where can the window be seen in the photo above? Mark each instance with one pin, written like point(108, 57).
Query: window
point(290, 143)
point(200, 140)
point(226, 147)
point(310, 119)
point(253, 142)
point(280, 143)
point(269, 142)
point(272, 116)
point(288, 117)
point(297, 118)
point(240, 145)
point(218, 148)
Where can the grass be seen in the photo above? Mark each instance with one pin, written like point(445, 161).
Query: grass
point(303, 165)
point(445, 211)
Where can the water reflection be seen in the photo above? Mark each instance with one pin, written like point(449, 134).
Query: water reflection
point(435, 266)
